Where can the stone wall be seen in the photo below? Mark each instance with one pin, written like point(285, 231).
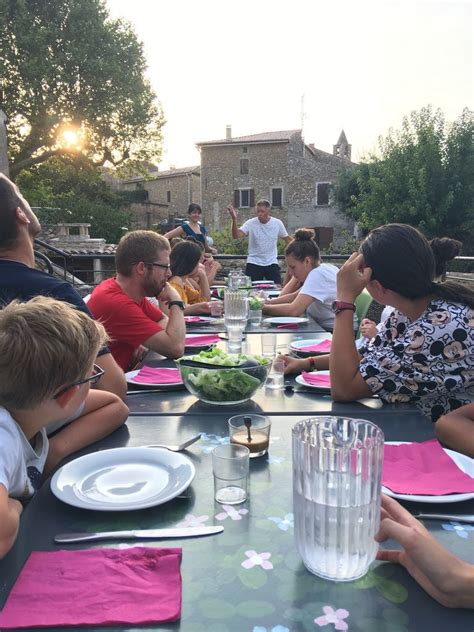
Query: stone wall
point(289, 165)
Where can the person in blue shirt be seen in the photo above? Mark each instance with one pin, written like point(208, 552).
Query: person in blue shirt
point(192, 228)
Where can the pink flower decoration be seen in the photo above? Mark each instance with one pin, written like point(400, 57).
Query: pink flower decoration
point(257, 559)
point(231, 512)
point(333, 616)
point(192, 521)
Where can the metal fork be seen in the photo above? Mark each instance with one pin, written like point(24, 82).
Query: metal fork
point(178, 447)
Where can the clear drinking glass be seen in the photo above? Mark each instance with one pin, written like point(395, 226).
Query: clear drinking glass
point(235, 311)
point(276, 377)
point(337, 471)
point(258, 428)
point(230, 466)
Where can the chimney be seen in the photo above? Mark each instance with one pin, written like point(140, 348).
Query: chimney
point(228, 132)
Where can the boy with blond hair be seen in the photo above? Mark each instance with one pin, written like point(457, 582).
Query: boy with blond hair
point(47, 353)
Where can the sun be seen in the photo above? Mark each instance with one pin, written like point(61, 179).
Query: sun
point(71, 138)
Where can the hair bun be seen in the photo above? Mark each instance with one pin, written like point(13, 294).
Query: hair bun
point(304, 234)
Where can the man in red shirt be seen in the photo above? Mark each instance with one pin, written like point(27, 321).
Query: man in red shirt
point(120, 303)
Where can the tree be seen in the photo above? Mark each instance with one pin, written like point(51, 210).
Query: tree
point(71, 190)
point(74, 80)
point(423, 176)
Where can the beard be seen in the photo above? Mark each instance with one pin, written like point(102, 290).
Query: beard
point(152, 287)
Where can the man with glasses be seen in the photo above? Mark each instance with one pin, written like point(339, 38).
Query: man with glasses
point(122, 305)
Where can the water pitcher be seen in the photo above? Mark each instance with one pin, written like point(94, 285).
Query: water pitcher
point(337, 471)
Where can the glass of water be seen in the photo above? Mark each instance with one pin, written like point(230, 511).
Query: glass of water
point(337, 472)
point(276, 377)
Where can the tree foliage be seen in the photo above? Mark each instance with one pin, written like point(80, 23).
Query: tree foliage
point(423, 176)
point(65, 65)
point(71, 190)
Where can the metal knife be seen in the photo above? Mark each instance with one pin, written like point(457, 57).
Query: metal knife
point(455, 517)
point(149, 534)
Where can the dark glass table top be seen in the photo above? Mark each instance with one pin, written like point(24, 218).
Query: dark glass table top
point(219, 593)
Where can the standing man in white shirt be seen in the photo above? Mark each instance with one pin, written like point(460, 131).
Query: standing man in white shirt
point(263, 232)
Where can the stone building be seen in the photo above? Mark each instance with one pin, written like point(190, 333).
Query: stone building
point(279, 166)
point(166, 195)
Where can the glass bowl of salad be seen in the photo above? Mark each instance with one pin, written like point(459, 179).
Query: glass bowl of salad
point(216, 377)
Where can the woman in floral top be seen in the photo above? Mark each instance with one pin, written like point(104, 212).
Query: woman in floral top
point(425, 352)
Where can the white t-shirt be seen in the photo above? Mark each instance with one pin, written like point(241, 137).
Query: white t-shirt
point(320, 284)
point(21, 464)
point(263, 239)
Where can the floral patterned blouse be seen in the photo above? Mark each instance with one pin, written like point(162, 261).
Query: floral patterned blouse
point(429, 362)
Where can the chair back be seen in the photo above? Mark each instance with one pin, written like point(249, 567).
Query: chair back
point(362, 303)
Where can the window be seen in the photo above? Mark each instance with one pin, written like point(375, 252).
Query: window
point(244, 166)
point(244, 198)
point(324, 236)
point(168, 196)
point(244, 150)
point(322, 193)
point(277, 196)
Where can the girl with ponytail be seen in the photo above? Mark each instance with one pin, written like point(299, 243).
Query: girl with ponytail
point(318, 281)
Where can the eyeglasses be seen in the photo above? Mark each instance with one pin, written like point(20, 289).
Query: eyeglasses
point(165, 266)
point(93, 379)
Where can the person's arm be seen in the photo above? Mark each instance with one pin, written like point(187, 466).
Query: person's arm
point(297, 307)
point(203, 283)
point(347, 383)
point(170, 340)
point(197, 308)
point(298, 365)
point(103, 413)
point(113, 379)
point(285, 298)
point(176, 232)
point(287, 239)
point(456, 430)
point(368, 328)
point(291, 286)
point(445, 577)
point(236, 232)
point(10, 510)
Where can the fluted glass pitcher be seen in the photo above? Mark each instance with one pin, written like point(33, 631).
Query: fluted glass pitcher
point(337, 472)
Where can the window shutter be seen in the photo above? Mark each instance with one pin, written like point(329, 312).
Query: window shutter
point(252, 198)
point(236, 198)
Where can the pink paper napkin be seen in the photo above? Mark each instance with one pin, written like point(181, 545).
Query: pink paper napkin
point(194, 319)
point(150, 375)
point(424, 469)
point(131, 586)
point(317, 379)
point(264, 285)
point(198, 341)
point(320, 347)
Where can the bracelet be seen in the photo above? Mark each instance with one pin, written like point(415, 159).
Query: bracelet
point(312, 362)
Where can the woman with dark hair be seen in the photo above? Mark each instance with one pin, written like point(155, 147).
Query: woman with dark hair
point(192, 228)
point(189, 278)
point(425, 352)
point(318, 280)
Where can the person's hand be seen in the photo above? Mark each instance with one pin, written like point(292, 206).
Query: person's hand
point(293, 365)
point(368, 328)
point(138, 356)
point(168, 293)
point(232, 211)
point(445, 577)
point(352, 278)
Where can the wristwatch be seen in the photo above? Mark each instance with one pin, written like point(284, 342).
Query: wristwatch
point(340, 306)
point(180, 304)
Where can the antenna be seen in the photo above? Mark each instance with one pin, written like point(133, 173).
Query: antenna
point(303, 116)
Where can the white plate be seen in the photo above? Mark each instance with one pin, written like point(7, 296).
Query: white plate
point(264, 283)
point(299, 379)
point(464, 463)
point(285, 320)
point(123, 479)
point(132, 374)
point(298, 345)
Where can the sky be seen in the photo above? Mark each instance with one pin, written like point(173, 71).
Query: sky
point(361, 66)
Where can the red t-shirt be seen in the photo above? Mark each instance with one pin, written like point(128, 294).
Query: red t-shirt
point(127, 323)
